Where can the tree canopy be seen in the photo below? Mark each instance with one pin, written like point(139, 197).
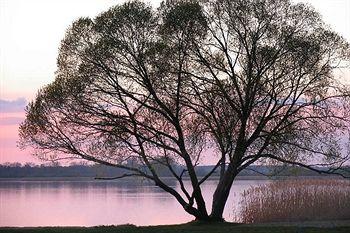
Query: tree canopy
point(246, 81)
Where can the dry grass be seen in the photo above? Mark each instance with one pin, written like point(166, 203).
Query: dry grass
point(296, 200)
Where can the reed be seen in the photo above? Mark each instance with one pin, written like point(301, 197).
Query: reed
point(296, 200)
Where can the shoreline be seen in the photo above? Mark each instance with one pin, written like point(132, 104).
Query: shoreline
point(90, 178)
point(339, 226)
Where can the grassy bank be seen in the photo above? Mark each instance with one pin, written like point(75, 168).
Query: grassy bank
point(184, 228)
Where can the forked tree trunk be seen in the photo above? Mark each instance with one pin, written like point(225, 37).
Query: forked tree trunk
point(220, 197)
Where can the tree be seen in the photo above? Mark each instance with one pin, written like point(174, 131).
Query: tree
point(251, 81)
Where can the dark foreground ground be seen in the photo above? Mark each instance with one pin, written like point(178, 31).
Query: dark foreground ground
point(194, 228)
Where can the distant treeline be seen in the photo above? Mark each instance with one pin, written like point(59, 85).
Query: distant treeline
point(30, 170)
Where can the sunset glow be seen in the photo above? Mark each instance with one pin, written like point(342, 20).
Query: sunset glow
point(30, 35)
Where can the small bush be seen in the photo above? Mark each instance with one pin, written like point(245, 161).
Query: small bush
point(296, 200)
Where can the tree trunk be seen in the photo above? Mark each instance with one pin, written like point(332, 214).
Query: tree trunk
point(197, 192)
point(221, 194)
point(203, 218)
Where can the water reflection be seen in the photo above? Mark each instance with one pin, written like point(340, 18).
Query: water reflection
point(87, 202)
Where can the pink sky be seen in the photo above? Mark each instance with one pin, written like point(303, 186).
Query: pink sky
point(9, 152)
point(30, 36)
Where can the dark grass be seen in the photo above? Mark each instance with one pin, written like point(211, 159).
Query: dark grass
point(182, 228)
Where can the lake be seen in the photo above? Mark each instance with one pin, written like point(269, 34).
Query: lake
point(88, 202)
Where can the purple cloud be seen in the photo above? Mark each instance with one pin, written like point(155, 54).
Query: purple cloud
point(17, 105)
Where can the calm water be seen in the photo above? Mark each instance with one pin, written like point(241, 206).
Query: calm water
point(90, 202)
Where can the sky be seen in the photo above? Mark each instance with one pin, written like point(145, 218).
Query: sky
point(31, 31)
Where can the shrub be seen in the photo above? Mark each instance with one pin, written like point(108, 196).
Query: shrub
point(296, 200)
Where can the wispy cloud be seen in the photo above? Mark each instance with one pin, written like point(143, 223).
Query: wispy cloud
point(17, 105)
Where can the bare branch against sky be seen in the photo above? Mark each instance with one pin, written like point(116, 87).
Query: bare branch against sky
point(30, 35)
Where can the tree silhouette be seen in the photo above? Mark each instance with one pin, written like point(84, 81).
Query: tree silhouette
point(250, 81)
